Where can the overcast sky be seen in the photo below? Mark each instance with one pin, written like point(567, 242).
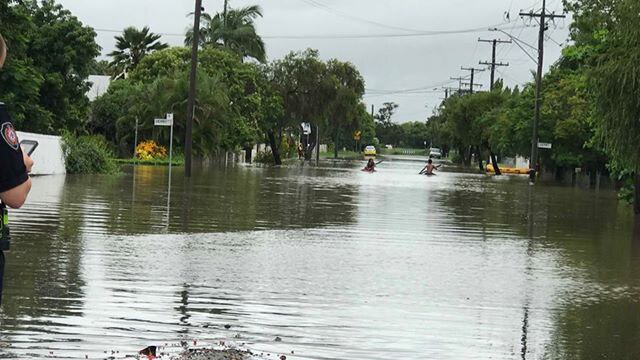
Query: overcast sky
point(389, 64)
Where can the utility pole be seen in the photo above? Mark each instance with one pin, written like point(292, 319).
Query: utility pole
point(536, 120)
point(473, 74)
point(493, 62)
point(469, 84)
point(188, 143)
point(459, 80)
point(372, 109)
point(449, 91)
point(224, 18)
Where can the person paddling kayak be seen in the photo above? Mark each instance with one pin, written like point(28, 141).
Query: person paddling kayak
point(371, 166)
point(428, 169)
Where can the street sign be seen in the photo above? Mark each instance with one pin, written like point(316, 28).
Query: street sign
point(164, 122)
point(357, 135)
point(306, 128)
point(167, 122)
point(544, 145)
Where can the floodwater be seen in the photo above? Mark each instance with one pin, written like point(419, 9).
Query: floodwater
point(338, 263)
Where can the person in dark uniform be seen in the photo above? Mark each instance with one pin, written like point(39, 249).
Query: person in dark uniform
point(15, 165)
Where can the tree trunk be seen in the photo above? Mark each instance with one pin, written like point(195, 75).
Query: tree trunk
point(335, 146)
point(479, 158)
point(247, 154)
point(274, 148)
point(494, 162)
point(636, 204)
point(465, 155)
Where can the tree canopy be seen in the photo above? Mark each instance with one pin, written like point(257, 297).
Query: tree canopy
point(44, 80)
point(234, 31)
point(131, 47)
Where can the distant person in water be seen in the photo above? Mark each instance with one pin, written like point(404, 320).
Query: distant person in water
point(371, 166)
point(428, 169)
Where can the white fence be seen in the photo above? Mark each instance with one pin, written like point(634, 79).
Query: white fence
point(48, 157)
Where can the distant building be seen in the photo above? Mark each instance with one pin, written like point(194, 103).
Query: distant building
point(100, 85)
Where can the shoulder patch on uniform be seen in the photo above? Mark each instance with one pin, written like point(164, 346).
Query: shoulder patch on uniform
point(9, 135)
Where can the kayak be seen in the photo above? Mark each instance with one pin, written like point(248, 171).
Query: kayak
point(369, 171)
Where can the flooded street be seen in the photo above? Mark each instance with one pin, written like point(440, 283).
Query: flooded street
point(338, 263)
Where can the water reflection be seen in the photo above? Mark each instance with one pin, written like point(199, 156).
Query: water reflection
point(336, 262)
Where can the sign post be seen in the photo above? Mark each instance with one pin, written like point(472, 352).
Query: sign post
point(306, 130)
point(135, 145)
point(542, 145)
point(168, 121)
point(357, 136)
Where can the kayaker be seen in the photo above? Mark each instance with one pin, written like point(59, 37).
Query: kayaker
point(371, 166)
point(428, 169)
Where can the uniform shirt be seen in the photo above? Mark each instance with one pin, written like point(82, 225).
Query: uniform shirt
point(13, 172)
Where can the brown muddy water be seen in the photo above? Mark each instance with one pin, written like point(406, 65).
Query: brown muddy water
point(338, 263)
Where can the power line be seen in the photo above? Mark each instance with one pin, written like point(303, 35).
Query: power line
point(426, 87)
point(325, 7)
point(343, 36)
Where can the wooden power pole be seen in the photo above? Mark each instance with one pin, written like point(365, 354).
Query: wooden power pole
point(544, 16)
point(473, 74)
point(493, 62)
point(188, 143)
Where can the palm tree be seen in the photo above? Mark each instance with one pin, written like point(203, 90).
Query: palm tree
point(132, 46)
point(235, 32)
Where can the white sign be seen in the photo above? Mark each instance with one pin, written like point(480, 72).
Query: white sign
point(168, 122)
point(163, 122)
point(306, 128)
point(544, 145)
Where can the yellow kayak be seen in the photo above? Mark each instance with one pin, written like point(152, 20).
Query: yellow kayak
point(509, 170)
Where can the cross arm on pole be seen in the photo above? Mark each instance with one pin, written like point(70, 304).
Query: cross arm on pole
point(546, 15)
point(490, 63)
point(472, 69)
point(498, 41)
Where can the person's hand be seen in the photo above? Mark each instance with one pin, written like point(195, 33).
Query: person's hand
point(28, 161)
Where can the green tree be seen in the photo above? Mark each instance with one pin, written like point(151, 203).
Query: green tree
point(415, 134)
point(227, 109)
point(45, 78)
point(388, 132)
point(234, 31)
point(100, 67)
point(299, 80)
point(131, 47)
point(616, 83)
point(345, 87)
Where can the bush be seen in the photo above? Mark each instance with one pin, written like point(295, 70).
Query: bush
point(456, 158)
point(150, 151)
point(264, 157)
point(87, 155)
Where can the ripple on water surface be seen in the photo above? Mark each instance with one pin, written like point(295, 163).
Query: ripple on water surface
point(336, 262)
